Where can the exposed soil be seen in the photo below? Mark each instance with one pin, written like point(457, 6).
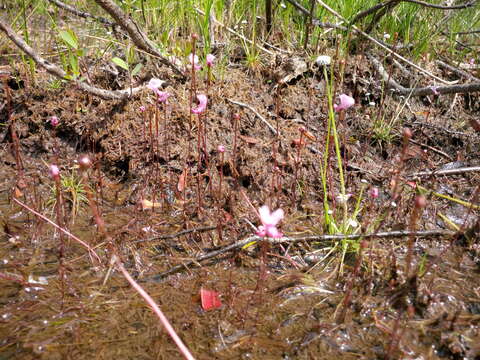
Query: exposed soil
point(293, 308)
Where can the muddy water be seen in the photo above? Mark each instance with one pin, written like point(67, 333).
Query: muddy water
point(284, 312)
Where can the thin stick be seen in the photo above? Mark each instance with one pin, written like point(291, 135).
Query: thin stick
point(390, 51)
point(178, 234)
point(422, 91)
point(237, 34)
point(79, 13)
point(272, 129)
point(462, 170)
point(439, 152)
point(148, 299)
point(138, 37)
point(59, 73)
point(66, 232)
point(241, 243)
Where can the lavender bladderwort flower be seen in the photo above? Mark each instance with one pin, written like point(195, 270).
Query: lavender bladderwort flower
point(374, 192)
point(54, 121)
point(54, 172)
point(193, 61)
point(154, 84)
point(345, 103)
point(269, 221)
point(202, 104)
point(162, 96)
point(210, 60)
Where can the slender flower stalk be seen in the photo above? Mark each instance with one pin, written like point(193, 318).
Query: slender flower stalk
point(221, 150)
point(55, 174)
point(155, 308)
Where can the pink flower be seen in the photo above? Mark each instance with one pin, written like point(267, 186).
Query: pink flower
point(345, 102)
point(154, 84)
point(269, 222)
point(141, 108)
point(434, 90)
point(54, 121)
point(221, 148)
point(193, 59)
point(54, 171)
point(374, 193)
point(472, 61)
point(84, 162)
point(162, 96)
point(202, 104)
point(210, 59)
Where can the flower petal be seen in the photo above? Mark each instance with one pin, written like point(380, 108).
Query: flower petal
point(202, 104)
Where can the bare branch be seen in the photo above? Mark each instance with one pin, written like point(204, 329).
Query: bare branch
point(390, 51)
point(457, 71)
point(379, 6)
point(270, 127)
point(446, 172)
point(81, 14)
point(422, 91)
point(138, 37)
point(59, 73)
point(442, 7)
point(315, 21)
point(241, 243)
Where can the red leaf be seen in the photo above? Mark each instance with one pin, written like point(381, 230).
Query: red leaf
point(210, 299)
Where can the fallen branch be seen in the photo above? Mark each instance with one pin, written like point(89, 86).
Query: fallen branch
point(435, 150)
point(236, 33)
point(66, 232)
point(178, 234)
point(153, 305)
point(272, 129)
point(422, 91)
point(377, 7)
point(446, 172)
point(442, 7)
point(138, 37)
point(59, 73)
point(316, 22)
point(383, 46)
point(457, 71)
point(81, 14)
point(241, 243)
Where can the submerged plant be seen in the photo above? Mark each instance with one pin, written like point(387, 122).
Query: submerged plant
point(71, 186)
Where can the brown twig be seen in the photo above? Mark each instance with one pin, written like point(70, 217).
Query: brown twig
point(377, 7)
point(82, 14)
point(59, 73)
point(241, 243)
point(462, 170)
point(178, 234)
point(457, 71)
point(138, 37)
point(435, 150)
point(422, 91)
point(270, 127)
point(383, 46)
